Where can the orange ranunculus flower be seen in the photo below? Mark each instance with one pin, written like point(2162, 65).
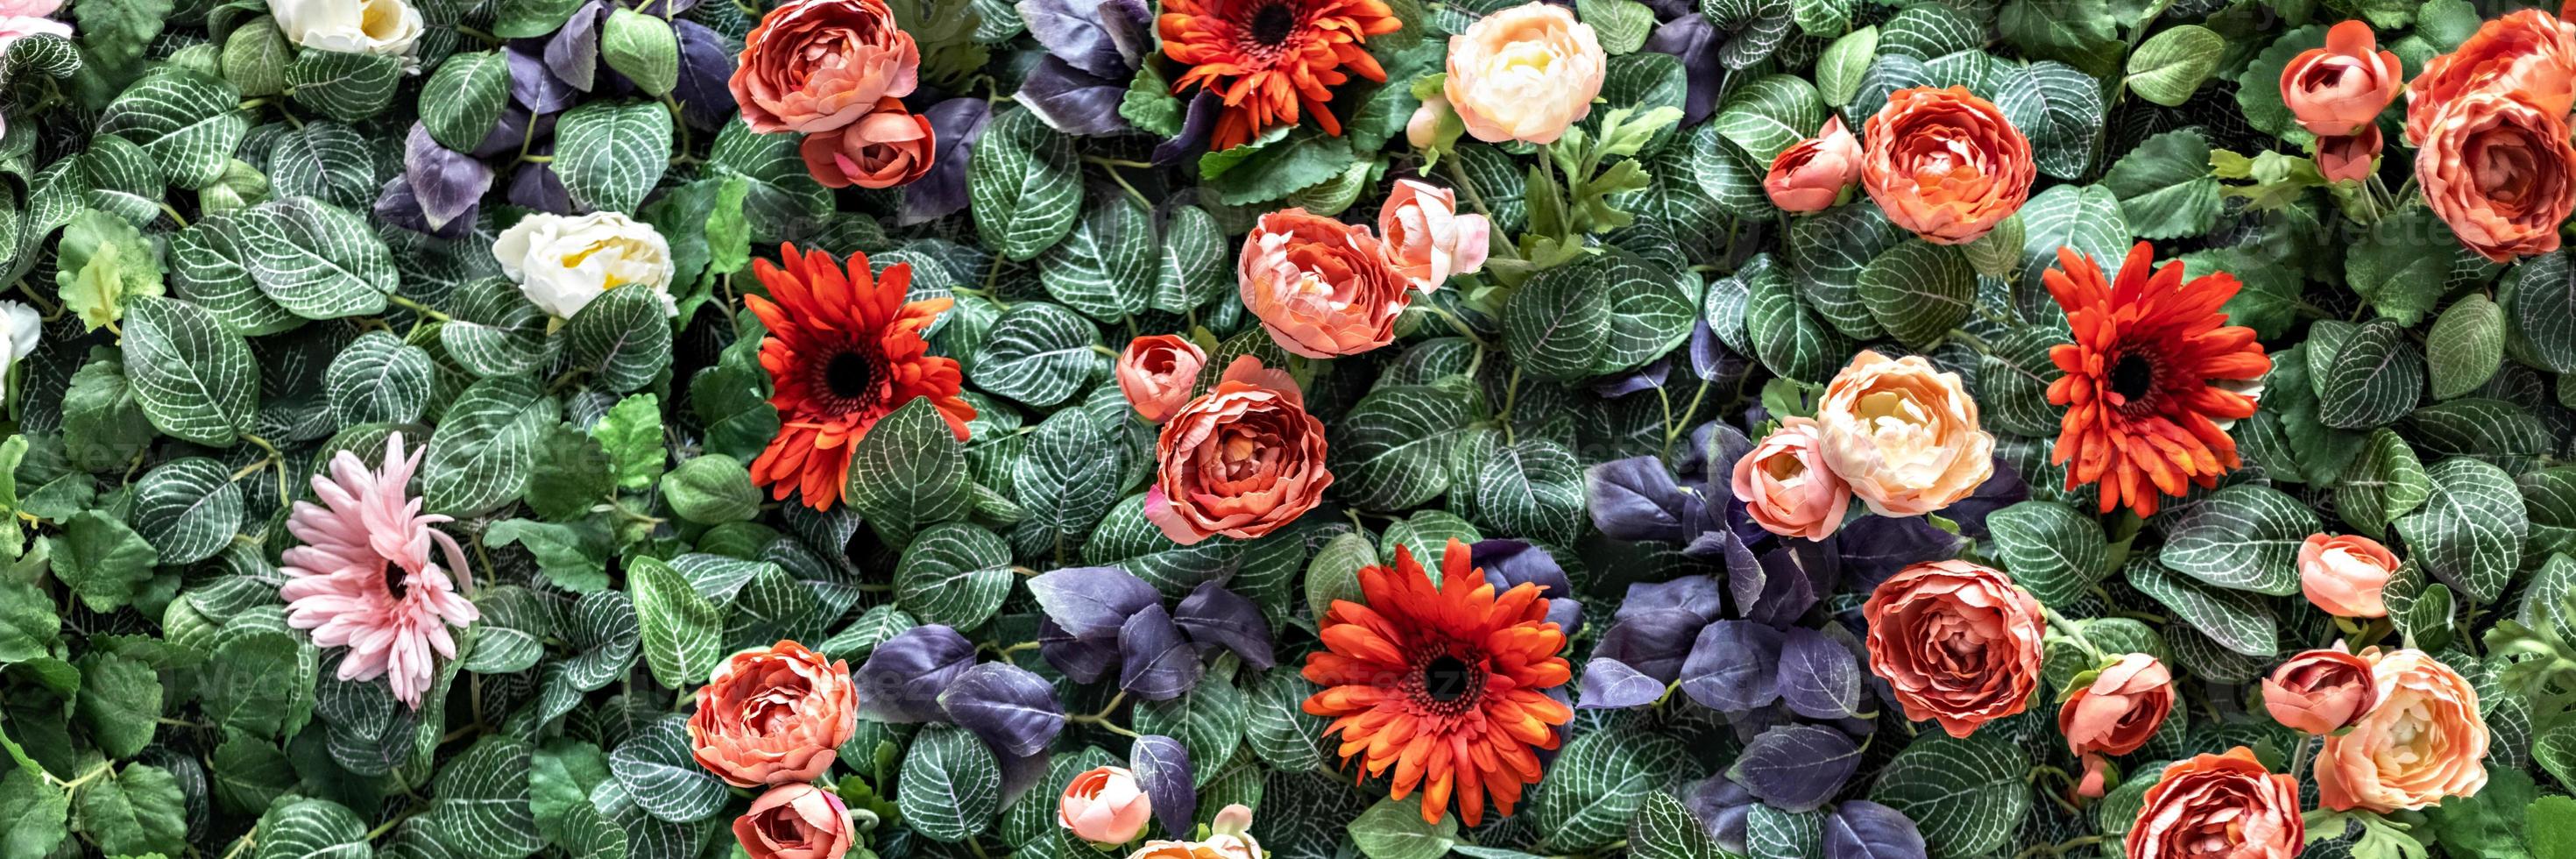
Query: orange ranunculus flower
point(2349, 158)
point(817, 65)
point(888, 147)
point(1103, 805)
point(1321, 287)
point(1959, 643)
point(2219, 805)
point(1158, 372)
point(1426, 238)
point(2528, 55)
point(773, 716)
point(1944, 164)
point(2423, 741)
point(2122, 708)
point(2496, 168)
point(1786, 487)
point(1177, 850)
point(1525, 73)
point(2320, 691)
point(1242, 460)
point(795, 821)
point(1903, 435)
point(2338, 89)
point(1810, 176)
point(2345, 574)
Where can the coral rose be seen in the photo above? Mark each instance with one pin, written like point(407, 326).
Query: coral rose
point(2345, 574)
point(1944, 164)
point(2423, 741)
point(2496, 170)
point(1104, 806)
point(2320, 691)
point(1811, 175)
point(2339, 89)
point(1958, 643)
point(2114, 715)
point(1525, 73)
point(1242, 460)
point(2528, 55)
point(817, 65)
point(1321, 287)
point(795, 821)
point(2350, 158)
point(1158, 372)
point(888, 147)
point(2219, 805)
point(1786, 487)
point(1426, 238)
point(1903, 434)
point(773, 716)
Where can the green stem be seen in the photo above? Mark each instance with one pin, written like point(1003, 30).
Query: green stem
point(419, 308)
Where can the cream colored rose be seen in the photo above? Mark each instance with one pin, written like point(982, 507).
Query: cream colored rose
point(1524, 73)
point(386, 27)
point(2423, 741)
point(561, 263)
point(1903, 434)
point(20, 328)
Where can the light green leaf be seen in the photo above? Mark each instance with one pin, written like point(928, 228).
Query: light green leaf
point(2165, 188)
point(2169, 65)
point(2466, 346)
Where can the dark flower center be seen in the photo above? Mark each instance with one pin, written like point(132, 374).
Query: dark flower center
point(2133, 376)
point(394, 578)
point(1447, 678)
point(850, 376)
point(1272, 23)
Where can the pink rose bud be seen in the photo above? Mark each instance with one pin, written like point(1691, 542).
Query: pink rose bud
point(1158, 372)
point(1811, 175)
point(2320, 691)
point(2349, 158)
point(1104, 806)
point(1426, 238)
point(2340, 88)
point(1423, 130)
point(2344, 575)
point(1786, 487)
point(795, 821)
point(2119, 712)
point(1230, 834)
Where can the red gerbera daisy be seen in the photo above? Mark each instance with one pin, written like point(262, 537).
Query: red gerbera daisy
point(1271, 58)
point(1446, 683)
point(842, 351)
point(2153, 380)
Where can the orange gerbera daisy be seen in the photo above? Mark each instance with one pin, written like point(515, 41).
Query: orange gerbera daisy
point(842, 352)
point(1445, 683)
point(2154, 378)
point(1272, 58)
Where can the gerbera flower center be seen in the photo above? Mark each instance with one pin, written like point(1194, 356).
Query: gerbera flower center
point(850, 376)
point(394, 581)
point(1272, 24)
point(1446, 678)
point(2133, 376)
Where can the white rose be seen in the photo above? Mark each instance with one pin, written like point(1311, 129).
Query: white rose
point(350, 26)
point(561, 263)
point(19, 330)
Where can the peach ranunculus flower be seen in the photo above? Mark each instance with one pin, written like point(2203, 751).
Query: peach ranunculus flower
point(2495, 169)
point(1811, 176)
point(2345, 574)
point(2422, 742)
point(1786, 487)
point(1104, 806)
point(1242, 460)
point(2338, 89)
point(1525, 73)
point(1958, 643)
point(888, 147)
point(2115, 714)
point(795, 821)
point(1945, 164)
point(2349, 158)
point(1158, 372)
point(2320, 691)
point(1177, 850)
point(773, 716)
point(2529, 55)
point(1903, 435)
point(2219, 805)
point(1230, 833)
point(1321, 287)
point(1425, 236)
point(817, 65)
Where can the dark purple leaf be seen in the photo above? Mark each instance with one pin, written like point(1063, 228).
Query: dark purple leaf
point(2003, 490)
point(1697, 595)
point(1071, 100)
point(1733, 666)
point(1154, 661)
point(1013, 709)
point(1104, 38)
point(1693, 40)
point(397, 205)
point(1215, 617)
point(1644, 378)
point(706, 63)
point(531, 85)
point(1721, 806)
point(1084, 661)
point(447, 183)
point(1636, 499)
point(1654, 643)
point(1162, 768)
point(1195, 125)
point(1725, 546)
point(1786, 587)
point(1666, 10)
point(1861, 829)
point(1710, 358)
point(573, 52)
point(512, 132)
point(1819, 678)
point(903, 677)
point(1713, 450)
point(1609, 684)
point(1090, 603)
point(955, 125)
point(1512, 562)
point(1797, 767)
point(535, 186)
point(1020, 774)
point(1875, 547)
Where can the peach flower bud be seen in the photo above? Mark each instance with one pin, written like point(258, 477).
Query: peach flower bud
point(1242, 460)
point(2528, 56)
point(2320, 691)
point(1810, 176)
point(1426, 238)
point(1158, 372)
point(795, 821)
point(773, 716)
point(2219, 805)
point(2350, 158)
point(2338, 89)
point(1903, 435)
point(1957, 643)
point(1423, 128)
point(2422, 742)
point(1230, 833)
point(2344, 575)
point(1321, 287)
point(1104, 806)
point(1525, 73)
point(1786, 487)
point(2495, 169)
point(817, 65)
point(888, 147)
point(1945, 164)
point(2127, 701)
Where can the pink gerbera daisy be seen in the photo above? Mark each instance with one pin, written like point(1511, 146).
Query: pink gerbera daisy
point(364, 579)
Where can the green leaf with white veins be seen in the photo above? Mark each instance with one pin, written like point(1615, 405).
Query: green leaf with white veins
point(1770, 114)
point(1393, 829)
point(783, 198)
point(950, 786)
point(2172, 63)
point(188, 508)
point(1023, 185)
point(2374, 379)
point(1195, 264)
point(1839, 69)
point(2062, 111)
point(1106, 267)
point(185, 119)
point(610, 153)
point(2470, 531)
point(682, 632)
point(2165, 188)
point(316, 260)
point(194, 379)
point(326, 161)
point(1918, 291)
point(908, 471)
point(624, 335)
point(1966, 795)
point(2049, 548)
point(1391, 450)
point(1039, 354)
point(483, 450)
point(472, 88)
point(345, 87)
point(379, 379)
point(2244, 537)
point(481, 807)
point(2466, 346)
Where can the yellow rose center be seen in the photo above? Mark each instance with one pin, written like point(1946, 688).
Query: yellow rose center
point(619, 247)
point(380, 19)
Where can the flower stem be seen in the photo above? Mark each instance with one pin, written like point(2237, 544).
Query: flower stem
point(419, 308)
